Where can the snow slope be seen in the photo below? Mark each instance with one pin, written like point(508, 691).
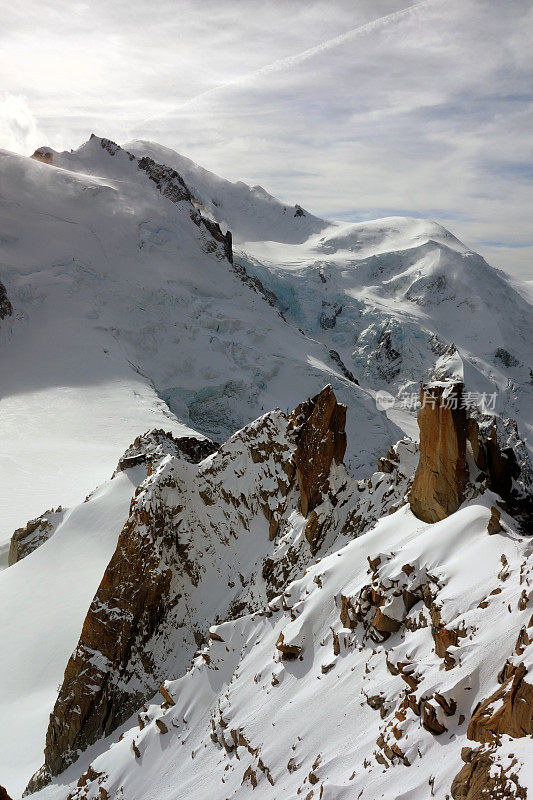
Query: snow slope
point(128, 316)
point(388, 295)
point(43, 602)
point(323, 725)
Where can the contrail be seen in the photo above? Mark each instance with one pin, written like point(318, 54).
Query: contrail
point(292, 61)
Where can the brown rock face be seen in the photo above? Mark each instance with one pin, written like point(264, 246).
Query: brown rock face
point(318, 426)
point(508, 711)
point(482, 779)
point(25, 540)
point(43, 154)
point(152, 605)
point(128, 607)
point(441, 476)
point(3, 794)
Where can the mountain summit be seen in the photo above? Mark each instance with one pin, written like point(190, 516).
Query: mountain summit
point(306, 567)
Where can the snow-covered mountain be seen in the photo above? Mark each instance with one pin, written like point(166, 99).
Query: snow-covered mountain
point(388, 296)
point(128, 315)
point(316, 627)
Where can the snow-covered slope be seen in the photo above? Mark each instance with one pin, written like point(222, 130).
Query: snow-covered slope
point(354, 713)
point(43, 602)
point(127, 315)
point(124, 308)
point(250, 212)
point(388, 295)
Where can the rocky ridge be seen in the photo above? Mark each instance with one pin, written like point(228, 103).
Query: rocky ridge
point(280, 479)
point(462, 453)
point(156, 598)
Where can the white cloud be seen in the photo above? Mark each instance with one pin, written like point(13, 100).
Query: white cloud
point(18, 128)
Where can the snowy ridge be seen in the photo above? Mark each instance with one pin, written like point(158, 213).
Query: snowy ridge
point(393, 709)
point(312, 635)
point(162, 332)
point(389, 296)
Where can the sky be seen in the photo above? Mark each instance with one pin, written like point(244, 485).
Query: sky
point(355, 109)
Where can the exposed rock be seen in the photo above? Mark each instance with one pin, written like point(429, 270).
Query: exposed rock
point(330, 312)
point(257, 285)
point(161, 725)
point(482, 779)
point(37, 531)
point(154, 444)
point(494, 525)
point(318, 430)
point(3, 794)
point(43, 154)
point(387, 358)
point(167, 180)
point(288, 651)
point(342, 366)
point(508, 711)
point(442, 473)
point(507, 359)
point(503, 460)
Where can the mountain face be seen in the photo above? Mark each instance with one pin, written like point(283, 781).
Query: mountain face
point(128, 315)
point(396, 622)
point(244, 602)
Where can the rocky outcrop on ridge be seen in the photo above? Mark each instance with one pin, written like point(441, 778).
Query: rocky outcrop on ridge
point(153, 445)
point(37, 531)
point(442, 473)
point(317, 426)
point(499, 460)
point(178, 565)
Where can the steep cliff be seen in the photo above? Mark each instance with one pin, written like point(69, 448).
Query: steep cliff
point(498, 459)
point(442, 473)
point(181, 563)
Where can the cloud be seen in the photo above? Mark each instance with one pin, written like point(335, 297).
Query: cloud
point(379, 106)
point(18, 128)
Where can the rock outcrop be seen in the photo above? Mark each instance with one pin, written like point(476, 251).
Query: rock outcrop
point(153, 445)
point(508, 712)
point(499, 459)
point(502, 458)
point(317, 427)
point(482, 779)
point(3, 794)
point(25, 540)
point(177, 567)
point(43, 154)
point(442, 473)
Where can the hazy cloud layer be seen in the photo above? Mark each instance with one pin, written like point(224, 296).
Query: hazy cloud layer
point(355, 109)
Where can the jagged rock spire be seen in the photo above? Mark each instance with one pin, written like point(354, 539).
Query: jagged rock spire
point(441, 476)
point(318, 427)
